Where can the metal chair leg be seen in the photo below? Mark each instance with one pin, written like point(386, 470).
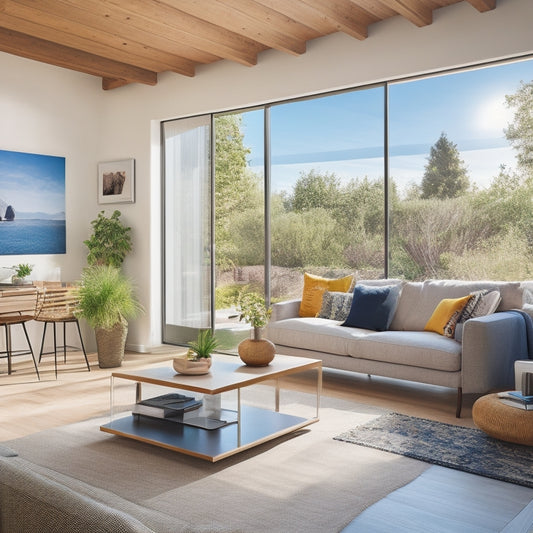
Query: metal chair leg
point(83, 347)
point(31, 351)
point(8, 348)
point(64, 342)
point(55, 348)
point(42, 342)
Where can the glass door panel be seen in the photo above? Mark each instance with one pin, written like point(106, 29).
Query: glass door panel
point(239, 218)
point(187, 228)
point(327, 189)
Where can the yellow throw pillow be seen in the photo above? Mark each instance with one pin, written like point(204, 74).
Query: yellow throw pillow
point(314, 288)
point(444, 318)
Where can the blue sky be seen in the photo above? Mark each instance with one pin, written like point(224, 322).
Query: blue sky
point(344, 133)
point(32, 182)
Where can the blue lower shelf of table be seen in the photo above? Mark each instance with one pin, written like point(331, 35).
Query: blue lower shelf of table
point(257, 426)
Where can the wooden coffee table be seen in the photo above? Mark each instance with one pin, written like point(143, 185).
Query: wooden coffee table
point(251, 425)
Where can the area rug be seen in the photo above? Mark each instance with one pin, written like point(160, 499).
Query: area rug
point(458, 447)
point(305, 481)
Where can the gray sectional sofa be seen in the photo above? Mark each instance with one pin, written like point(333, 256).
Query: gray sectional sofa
point(35, 498)
point(479, 358)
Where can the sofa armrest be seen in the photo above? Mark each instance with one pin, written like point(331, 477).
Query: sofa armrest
point(284, 310)
point(33, 502)
point(491, 345)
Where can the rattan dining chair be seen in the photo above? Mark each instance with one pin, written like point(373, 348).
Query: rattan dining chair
point(17, 306)
point(57, 305)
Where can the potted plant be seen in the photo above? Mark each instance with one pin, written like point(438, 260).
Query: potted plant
point(22, 271)
point(255, 351)
point(197, 360)
point(106, 302)
point(110, 241)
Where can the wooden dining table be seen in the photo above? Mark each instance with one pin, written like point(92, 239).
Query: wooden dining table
point(17, 299)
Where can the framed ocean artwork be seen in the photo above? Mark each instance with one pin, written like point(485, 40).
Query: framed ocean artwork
point(32, 204)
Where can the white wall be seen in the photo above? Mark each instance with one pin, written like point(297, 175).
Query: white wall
point(53, 111)
point(89, 125)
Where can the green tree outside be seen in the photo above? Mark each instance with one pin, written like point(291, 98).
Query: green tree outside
point(236, 187)
point(520, 132)
point(441, 230)
point(445, 175)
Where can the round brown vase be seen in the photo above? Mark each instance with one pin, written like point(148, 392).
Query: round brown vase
point(256, 351)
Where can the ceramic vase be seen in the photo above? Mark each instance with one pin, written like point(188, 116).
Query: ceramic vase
point(183, 365)
point(256, 351)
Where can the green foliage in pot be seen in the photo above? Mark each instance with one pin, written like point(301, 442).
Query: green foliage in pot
point(110, 241)
point(203, 346)
point(106, 297)
point(252, 308)
point(22, 270)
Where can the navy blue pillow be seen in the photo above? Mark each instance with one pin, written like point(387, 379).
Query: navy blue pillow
point(373, 307)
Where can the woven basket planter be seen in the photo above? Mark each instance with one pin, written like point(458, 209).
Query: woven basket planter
point(110, 344)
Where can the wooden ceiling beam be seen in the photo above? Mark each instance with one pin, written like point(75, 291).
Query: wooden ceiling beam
point(229, 15)
point(483, 5)
point(108, 83)
point(344, 15)
point(65, 23)
point(277, 19)
point(164, 20)
point(125, 41)
point(22, 45)
point(304, 13)
point(155, 60)
point(413, 10)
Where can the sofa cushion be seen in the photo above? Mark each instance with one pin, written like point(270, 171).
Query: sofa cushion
point(419, 299)
point(373, 307)
point(422, 349)
point(309, 333)
point(446, 315)
point(482, 303)
point(336, 305)
point(314, 288)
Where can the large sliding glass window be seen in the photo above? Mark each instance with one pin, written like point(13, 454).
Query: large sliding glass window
point(187, 228)
point(239, 218)
point(422, 178)
point(464, 203)
point(327, 189)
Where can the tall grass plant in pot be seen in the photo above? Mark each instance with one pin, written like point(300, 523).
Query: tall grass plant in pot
point(107, 301)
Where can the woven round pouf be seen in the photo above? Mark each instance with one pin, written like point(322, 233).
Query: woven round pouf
point(502, 421)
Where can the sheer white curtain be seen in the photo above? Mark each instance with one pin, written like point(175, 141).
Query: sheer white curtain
point(187, 224)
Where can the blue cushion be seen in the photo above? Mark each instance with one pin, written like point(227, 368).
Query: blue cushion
point(373, 307)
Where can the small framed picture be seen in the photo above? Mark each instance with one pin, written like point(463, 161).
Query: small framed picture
point(116, 182)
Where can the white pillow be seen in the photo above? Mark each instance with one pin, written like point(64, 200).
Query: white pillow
point(488, 304)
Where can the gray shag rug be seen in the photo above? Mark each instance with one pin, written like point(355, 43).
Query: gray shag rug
point(458, 447)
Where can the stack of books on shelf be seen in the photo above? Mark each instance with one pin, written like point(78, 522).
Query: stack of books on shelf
point(515, 398)
point(177, 408)
point(169, 407)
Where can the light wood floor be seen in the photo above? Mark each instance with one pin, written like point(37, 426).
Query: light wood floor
point(28, 405)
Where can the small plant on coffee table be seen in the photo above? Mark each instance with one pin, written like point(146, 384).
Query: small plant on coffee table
point(203, 346)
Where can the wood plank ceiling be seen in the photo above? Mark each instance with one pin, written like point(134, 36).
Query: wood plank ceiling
point(131, 41)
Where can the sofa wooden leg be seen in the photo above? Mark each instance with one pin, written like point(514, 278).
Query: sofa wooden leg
point(459, 402)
